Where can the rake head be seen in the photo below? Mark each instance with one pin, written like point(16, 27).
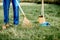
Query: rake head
point(26, 22)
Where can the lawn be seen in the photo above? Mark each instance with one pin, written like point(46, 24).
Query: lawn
point(52, 32)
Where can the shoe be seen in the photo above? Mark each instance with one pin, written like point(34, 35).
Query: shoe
point(7, 25)
point(4, 27)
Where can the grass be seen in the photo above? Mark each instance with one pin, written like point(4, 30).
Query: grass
point(52, 14)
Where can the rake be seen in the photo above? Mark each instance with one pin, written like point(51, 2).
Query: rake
point(41, 19)
point(26, 22)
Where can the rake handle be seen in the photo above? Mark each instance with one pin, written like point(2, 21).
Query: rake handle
point(42, 9)
point(21, 9)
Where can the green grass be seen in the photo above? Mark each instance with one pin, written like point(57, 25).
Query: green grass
point(52, 14)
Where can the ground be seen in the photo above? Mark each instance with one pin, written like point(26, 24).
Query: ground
point(32, 11)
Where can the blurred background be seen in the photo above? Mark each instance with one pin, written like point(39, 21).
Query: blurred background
point(39, 1)
point(32, 9)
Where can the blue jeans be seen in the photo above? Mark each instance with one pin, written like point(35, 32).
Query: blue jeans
point(6, 6)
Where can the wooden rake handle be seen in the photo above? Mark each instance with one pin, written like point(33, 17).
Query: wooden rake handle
point(42, 9)
point(20, 8)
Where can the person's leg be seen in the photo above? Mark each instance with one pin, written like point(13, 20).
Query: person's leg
point(16, 12)
point(6, 4)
